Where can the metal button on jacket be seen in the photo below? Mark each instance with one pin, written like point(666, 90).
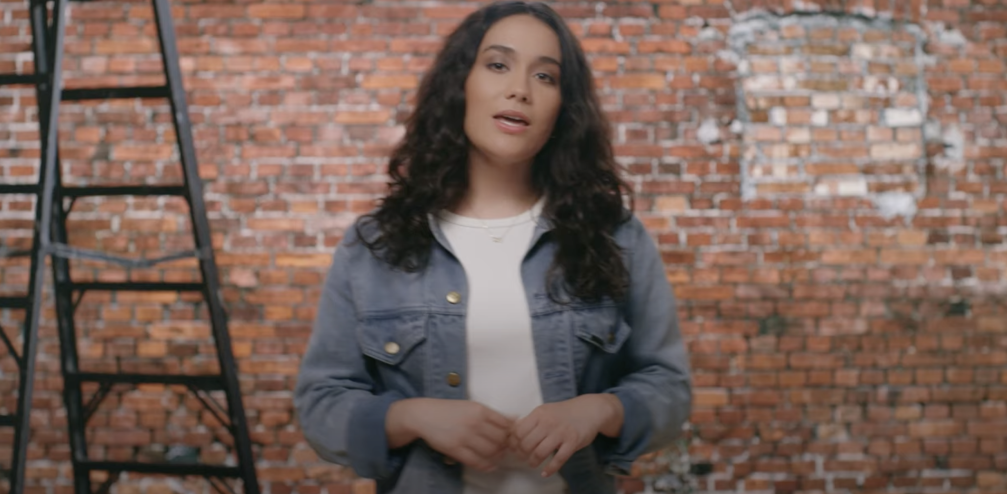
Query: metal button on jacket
point(454, 297)
point(454, 379)
point(392, 347)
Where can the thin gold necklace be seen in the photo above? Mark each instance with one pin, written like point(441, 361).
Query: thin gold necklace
point(499, 238)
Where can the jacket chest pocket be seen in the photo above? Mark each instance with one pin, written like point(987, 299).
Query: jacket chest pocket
point(600, 333)
point(396, 345)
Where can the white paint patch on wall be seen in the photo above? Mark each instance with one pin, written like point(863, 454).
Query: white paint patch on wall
point(892, 204)
point(708, 132)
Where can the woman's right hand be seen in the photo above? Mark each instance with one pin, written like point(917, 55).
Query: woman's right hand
point(465, 431)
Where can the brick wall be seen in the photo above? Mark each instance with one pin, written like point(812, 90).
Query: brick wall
point(827, 180)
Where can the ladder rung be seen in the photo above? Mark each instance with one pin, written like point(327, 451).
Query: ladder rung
point(14, 302)
point(81, 94)
point(127, 286)
point(125, 190)
point(9, 253)
point(67, 252)
point(101, 190)
point(8, 420)
point(162, 468)
point(6, 79)
point(18, 188)
point(204, 382)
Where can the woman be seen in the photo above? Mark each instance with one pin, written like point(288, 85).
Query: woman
point(501, 317)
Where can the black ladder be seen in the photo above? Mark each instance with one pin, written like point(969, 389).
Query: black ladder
point(50, 239)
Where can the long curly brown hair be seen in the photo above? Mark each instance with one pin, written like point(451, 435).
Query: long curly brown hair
point(576, 169)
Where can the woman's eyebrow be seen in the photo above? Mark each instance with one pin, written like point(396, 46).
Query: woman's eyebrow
point(511, 52)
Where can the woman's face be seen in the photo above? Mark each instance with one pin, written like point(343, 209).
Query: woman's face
point(512, 94)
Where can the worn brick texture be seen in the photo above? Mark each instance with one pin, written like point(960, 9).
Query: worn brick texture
point(827, 181)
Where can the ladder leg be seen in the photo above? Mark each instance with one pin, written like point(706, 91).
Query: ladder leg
point(72, 398)
point(29, 339)
point(48, 111)
point(69, 360)
point(204, 244)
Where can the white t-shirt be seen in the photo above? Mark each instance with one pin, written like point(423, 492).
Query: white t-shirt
point(502, 373)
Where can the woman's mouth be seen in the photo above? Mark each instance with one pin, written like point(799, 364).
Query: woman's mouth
point(511, 122)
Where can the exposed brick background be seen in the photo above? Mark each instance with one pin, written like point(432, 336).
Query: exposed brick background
point(827, 180)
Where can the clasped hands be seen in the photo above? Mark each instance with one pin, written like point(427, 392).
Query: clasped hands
point(479, 437)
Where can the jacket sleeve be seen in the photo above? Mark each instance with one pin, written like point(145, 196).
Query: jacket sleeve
point(656, 392)
point(341, 414)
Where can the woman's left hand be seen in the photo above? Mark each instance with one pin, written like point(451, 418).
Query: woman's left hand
point(563, 428)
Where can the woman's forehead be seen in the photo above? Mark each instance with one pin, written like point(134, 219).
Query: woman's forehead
point(522, 36)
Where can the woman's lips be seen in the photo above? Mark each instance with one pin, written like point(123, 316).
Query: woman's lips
point(508, 126)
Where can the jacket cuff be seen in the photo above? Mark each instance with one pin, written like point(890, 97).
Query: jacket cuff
point(618, 454)
point(367, 439)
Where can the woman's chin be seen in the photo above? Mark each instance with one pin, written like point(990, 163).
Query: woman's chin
point(506, 151)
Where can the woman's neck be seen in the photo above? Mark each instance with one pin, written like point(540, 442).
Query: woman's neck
point(496, 191)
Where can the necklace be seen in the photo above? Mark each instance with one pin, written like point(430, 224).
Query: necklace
point(531, 212)
point(498, 238)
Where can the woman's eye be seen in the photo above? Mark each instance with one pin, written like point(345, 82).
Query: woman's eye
point(497, 66)
point(546, 77)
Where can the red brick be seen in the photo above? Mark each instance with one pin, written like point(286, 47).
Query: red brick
point(639, 81)
point(277, 11)
point(667, 46)
point(849, 257)
point(935, 428)
point(275, 224)
point(703, 292)
point(332, 11)
point(710, 397)
point(404, 81)
point(448, 12)
point(602, 45)
point(362, 117)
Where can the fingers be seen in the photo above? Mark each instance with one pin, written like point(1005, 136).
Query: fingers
point(522, 427)
point(484, 447)
point(473, 459)
point(498, 419)
point(566, 450)
point(548, 446)
point(498, 437)
point(514, 444)
point(531, 440)
point(482, 453)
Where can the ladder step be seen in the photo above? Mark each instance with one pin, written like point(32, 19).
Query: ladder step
point(67, 252)
point(14, 302)
point(102, 190)
point(211, 382)
point(6, 79)
point(8, 420)
point(125, 190)
point(139, 286)
point(10, 253)
point(81, 94)
point(18, 188)
point(162, 468)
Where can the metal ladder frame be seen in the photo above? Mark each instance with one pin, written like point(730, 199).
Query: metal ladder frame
point(50, 239)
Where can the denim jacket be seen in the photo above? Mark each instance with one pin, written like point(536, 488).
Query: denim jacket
point(352, 372)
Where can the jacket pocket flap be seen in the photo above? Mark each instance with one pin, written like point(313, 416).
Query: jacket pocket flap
point(390, 339)
point(603, 327)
